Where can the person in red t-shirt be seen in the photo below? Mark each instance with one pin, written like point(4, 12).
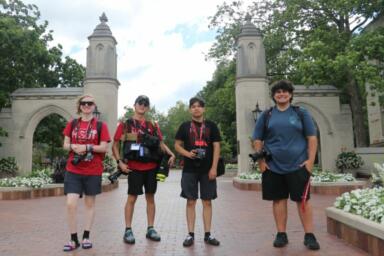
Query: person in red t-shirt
point(84, 166)
point(139, 164)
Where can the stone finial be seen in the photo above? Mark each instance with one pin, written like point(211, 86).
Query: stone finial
point(103, 18)
point(248, 18)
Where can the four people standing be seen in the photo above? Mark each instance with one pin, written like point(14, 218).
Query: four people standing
point(284, 134)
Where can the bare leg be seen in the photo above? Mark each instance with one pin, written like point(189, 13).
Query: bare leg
point(72, 200)
point(280, 212)
point(207, 215)
point(129, 207)
point(306, 216)
point(151, 209)
point(191, 214)
point(89, 202)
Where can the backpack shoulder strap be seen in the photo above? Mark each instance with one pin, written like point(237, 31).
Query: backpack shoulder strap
point(300, 113)
point(267, 115)
point(98, 127)
point(73, 125)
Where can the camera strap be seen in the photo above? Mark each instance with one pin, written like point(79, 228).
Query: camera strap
point(75, 123)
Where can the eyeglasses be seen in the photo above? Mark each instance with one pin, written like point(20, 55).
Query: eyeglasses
point(88, 103)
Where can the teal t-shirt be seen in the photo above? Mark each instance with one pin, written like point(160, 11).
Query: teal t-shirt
point(285, 138)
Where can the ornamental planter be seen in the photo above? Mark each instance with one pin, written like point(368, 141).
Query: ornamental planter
point(358, 231)
point(321, 188)
point(20, 193)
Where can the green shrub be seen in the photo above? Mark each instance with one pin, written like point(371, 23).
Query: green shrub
point(8, 167)
point(348, 160)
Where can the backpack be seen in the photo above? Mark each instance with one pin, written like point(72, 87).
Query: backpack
point(268, 113)
point(98, 128)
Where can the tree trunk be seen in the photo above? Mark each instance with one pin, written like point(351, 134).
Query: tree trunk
point(356, 104)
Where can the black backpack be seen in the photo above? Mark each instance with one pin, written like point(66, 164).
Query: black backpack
point(268, 113)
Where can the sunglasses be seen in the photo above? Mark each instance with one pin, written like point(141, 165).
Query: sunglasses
point(88, 103)
point(143, 102)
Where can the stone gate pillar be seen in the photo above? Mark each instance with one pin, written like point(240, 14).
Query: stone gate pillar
point(101, 72)
point(251, 87)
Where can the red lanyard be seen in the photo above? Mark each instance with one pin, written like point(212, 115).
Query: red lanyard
point(200, 142)
point(139, 127)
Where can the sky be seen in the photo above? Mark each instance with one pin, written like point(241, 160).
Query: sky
point(161, 44)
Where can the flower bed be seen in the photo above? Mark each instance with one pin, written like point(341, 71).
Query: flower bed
point(356, 230)
point(40, 185)
point(322, 182)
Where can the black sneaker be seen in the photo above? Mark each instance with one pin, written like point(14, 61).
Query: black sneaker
point(211, 240)
point(189, 240)
point(153, 235)
point(128, 237)
point(310, 241)
point(281, 240)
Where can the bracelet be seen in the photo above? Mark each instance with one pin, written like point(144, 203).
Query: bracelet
point(118, 161)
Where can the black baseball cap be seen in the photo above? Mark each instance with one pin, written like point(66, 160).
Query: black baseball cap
point(142, 99)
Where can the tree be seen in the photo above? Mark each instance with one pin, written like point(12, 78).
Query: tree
point(49, 132)
point(220, 103)
point(314, 42)
point(25, 58)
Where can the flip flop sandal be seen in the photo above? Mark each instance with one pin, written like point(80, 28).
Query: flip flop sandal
point(70, 246)
point(86, 244)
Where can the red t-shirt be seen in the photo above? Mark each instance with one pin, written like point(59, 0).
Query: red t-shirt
point(132, 164)
point(85, 132)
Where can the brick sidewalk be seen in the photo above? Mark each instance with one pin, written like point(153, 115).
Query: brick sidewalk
point(242, 222)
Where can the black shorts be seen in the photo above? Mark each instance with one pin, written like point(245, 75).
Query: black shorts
point(279, 186)
point(190, 183)
point(90, 185)
point(138, 179)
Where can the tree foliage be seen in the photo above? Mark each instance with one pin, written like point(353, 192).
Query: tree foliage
point(220, 106)
point(313, 42)
point(26, 60)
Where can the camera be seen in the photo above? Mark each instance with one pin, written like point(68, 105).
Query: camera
point(264, 153)
point(78, 158)
point(114, 176)
point(163, 171)
point(150, 141)
point(200, 153)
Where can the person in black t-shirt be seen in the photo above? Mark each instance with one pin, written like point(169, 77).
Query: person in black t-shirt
point(198, 141)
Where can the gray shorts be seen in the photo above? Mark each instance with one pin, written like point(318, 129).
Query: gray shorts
point(190, 186)
point(78, 184)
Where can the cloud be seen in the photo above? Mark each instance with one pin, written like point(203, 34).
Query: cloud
point(161, 44)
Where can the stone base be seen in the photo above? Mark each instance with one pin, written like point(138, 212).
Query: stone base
point(329, 188)
point(11, 193)
point(358, 231)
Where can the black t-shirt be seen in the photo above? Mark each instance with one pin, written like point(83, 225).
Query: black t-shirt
point(190, 133)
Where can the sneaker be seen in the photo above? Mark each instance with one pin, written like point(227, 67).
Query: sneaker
point(86, 244)
point(128, 237)
point(211, 240)
point(153, 235)
point(281, 240)
point(188, 241)
point(310, 241)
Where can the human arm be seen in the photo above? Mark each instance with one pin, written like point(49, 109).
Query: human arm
point(216, 154)
point(165, 149)
point(258, 146)
point(116, 154)
point(311, 149)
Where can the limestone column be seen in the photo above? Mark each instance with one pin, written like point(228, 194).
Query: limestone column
point(251, 88)
point(374, 117)
point(101, 72)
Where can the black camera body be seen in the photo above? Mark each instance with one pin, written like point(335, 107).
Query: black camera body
point(150, 141)
point(114, 176)
point(200, 153)
point(262, 154)
point(78, 158)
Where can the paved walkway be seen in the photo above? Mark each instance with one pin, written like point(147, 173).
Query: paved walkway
point(242, 222)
